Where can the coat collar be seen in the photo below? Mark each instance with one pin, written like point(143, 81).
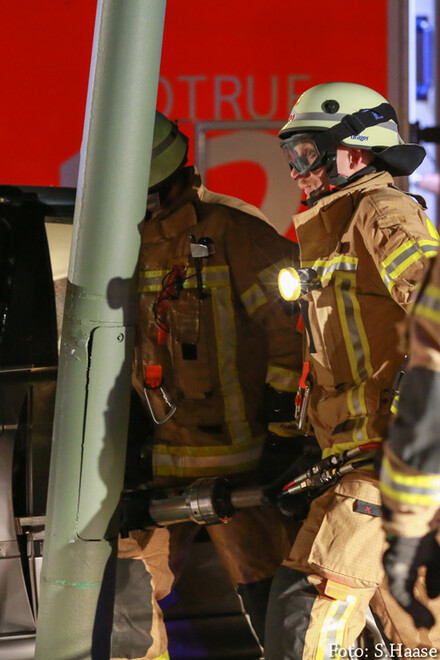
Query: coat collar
point(320, 228)
point(367, 182)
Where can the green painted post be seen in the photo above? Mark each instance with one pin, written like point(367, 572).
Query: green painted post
point(91, 413)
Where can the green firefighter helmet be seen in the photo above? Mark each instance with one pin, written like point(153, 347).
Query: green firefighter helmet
point(169, 154)
point(341, 113)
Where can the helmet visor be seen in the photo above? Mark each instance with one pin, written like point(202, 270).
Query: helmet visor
point(302, 153)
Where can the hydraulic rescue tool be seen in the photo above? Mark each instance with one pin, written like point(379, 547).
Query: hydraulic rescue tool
point(214, 500)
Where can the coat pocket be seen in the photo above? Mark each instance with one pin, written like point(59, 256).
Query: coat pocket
point(191, 344)
point(350, 541)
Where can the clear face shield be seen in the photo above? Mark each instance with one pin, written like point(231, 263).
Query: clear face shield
point(302, 153)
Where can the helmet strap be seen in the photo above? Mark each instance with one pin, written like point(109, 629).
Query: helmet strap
point(336, 180)
point(353, 125)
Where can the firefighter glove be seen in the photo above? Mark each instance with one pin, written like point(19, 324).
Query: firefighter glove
point(402, 561)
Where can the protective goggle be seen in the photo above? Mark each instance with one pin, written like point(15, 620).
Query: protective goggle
point(302, 153)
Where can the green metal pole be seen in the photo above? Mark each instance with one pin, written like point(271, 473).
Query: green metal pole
point(91, 413)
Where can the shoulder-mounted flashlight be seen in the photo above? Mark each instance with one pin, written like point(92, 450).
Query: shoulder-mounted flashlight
point(293, 283)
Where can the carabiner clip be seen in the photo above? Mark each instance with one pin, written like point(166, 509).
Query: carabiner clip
point(153, 380)
point(167, 400)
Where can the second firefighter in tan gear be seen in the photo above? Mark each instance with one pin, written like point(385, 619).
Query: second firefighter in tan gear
point(410, 477)
point(215, 348)
point(369, 244)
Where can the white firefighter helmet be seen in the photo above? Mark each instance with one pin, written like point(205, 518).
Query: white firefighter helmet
point(341, 113)
point(170, 148)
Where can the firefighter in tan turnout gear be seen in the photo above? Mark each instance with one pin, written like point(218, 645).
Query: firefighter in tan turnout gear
point(366, 244)
point(217, 365)
point(410, 476)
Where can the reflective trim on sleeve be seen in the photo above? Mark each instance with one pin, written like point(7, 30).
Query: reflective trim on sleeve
point(432, 229)
point(253, 299)
point(333, 628)
point(428, 305)
point(283, 380)
point(403, 257)
point(421, 490)
point(325, 269)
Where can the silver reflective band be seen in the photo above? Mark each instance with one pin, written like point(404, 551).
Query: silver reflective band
point(323, 116)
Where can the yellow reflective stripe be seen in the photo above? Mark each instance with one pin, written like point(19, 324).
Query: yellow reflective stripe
point(283, 380)
point(403, 257)
point(206, 460)
point(358, 412)
point(360, 433)
point(421, 490)
point(253, 298)
point(355, 337)
point(162, 656)
point(334, 626)
point(224, 322)
point(351, 604)
point(208, 450)
point(150, 280)
point(432, 291)
point(203, 462)
point(432, 229)
point(356, 401)
point(205, 471)
point(326, 268)
point(212, 276)
point(428, 305)
point(428, 313)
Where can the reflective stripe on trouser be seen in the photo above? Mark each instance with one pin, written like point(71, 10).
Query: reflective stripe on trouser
point(303, 624)
point(341, 540)
point(142, 577)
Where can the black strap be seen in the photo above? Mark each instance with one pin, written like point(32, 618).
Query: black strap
point(353, 125)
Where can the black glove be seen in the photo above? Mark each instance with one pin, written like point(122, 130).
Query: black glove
point(295, 506)
point(401, 562)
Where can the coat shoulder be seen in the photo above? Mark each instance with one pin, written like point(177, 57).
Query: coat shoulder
point(388, 205)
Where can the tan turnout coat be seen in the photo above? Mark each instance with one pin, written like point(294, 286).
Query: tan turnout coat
point(369, 244)
point(222, 349)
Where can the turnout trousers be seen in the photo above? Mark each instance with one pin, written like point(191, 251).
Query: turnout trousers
point(251, 546)
point(320, 594)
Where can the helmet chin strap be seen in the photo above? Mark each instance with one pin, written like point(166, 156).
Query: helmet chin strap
point(336, 180)
point(333, 177)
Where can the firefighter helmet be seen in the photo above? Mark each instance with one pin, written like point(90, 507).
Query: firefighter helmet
point(170, 148)
point(352, 115)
